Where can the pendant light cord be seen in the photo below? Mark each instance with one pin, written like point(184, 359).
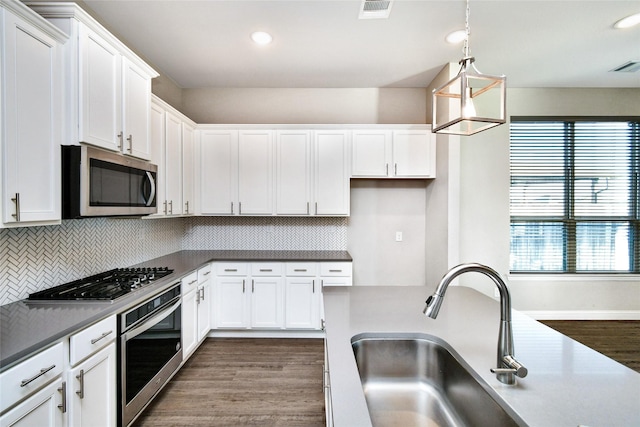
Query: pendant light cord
point(465, 47)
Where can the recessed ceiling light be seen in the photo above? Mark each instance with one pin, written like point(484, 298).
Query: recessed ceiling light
point(628, 22)
point(260, 37)
point(456, 37)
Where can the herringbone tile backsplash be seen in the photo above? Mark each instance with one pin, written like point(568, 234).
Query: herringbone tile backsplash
point(37, 258)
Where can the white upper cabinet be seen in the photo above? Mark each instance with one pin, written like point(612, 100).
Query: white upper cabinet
point(218, 172)
point(255, 172)
point(331, 185)
point(293, 172)
point(109, 87)
point(386, 153)
point(414, 154)
point(173, 164)
point(30, 116)
point(188, 168)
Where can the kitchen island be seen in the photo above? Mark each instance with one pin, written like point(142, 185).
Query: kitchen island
point(568, 384)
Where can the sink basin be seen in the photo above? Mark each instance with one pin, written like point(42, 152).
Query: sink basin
point(419, 380)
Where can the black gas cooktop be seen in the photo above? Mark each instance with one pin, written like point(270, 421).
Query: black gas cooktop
point(105, 286)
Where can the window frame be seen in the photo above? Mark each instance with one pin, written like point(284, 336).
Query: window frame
point(569, 221)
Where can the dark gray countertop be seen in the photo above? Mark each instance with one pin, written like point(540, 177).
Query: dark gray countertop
point(27, 327)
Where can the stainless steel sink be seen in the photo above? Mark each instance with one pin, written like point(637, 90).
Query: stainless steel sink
point(418, 380)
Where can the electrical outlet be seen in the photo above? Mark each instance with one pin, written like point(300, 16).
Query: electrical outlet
point(398, 236)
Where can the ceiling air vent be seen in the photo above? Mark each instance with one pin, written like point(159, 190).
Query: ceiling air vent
point(629, 67)
point(375, 9)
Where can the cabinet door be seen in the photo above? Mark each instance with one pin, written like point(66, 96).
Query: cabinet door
point(231, 302)
point(293, 172)
point(371, 151)
point(92, 393)
point(188, 168)
point(302, 306)
point(158, 153)
point(43, 409)
point(100, 92)
point(331, 173)
point(136, 110)
point(173, 164)
point(255, 173)
point(190, 322)
point(31, 152)
point(204, 310)
point(267, 299)
point(218, 172)
point(414, 154)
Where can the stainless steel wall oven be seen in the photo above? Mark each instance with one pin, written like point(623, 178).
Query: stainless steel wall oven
point(151, 350)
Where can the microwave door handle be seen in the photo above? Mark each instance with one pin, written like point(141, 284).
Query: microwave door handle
point(152, 195)
point(151, 322)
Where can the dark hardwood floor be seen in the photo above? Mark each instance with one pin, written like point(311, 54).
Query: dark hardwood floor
point(243, 382)
point(278, 382)
point(617, 339)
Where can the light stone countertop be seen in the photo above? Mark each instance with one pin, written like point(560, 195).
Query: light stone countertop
point(568, 383)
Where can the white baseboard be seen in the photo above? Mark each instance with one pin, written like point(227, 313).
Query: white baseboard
point(241, 333)
point(584, 314)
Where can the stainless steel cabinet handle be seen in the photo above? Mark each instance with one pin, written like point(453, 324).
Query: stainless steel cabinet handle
point(335, 271)
point(170, 207)
point(300, 270)
point(16, 200)
point(243, 286)
point(239, 208)
point(307, 208)
point(313, 288)
point(80, 378)
point(266, 270)
point(253, 286)
point(386, 169)
point(206, 273)
point(232, 208)
point(63, 390)
point(130, 139)
point(395, 169)
point(202, 291)
point(192, 282)
point(165, 207)
point(198, 297)
point(186, 207)
point(105, 334)
point(231, 269)
point(119, 136)
point(36, 376)
point(316, 208)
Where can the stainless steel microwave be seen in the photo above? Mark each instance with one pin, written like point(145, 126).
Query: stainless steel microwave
point(97, 182)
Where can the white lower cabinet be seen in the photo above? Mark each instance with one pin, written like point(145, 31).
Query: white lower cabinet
point(273, 295)
point(196, 309)
point(92, 390)
point(43, 409)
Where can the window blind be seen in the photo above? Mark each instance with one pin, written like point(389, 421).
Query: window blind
point(574, 196)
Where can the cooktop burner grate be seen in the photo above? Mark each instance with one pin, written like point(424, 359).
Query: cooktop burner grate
point(103, 286)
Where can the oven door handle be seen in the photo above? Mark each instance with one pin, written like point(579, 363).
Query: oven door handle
point(152, 321)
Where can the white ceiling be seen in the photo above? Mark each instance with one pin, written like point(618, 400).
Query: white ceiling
point(323, 44)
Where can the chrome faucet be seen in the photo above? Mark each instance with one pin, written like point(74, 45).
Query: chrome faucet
point(508, 367)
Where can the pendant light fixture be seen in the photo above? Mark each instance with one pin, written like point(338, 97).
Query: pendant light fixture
point(470, 102)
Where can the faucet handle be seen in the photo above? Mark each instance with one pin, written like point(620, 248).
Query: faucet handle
point(514, 367)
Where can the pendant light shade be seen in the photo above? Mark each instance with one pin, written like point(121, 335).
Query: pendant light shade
point(470, 102)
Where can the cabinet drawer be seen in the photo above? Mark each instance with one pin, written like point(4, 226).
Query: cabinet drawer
point(189, 282)
point(301, 269)
point(204, 273)
point(328, 269)
point(231, 269)
point(28, 376)
point(91, 339)
point(266, 269)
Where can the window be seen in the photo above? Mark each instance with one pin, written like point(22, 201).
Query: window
point(574, 196)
